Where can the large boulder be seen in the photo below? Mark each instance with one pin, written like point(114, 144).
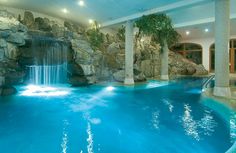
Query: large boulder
point(81, 45)
point(16, 38)
point(3, 43)
point(29, 20)
point(200, 70)
point(43, 24)
point(75, 69)
point(4, 34)
point(58, 31)
point(88, 69)
point(11, 52)
point(114, 48)
point(82, 52)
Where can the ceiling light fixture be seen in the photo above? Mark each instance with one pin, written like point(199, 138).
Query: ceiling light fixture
point(187, 32)
point(91, 21)
point(65, 10)
point(81, 3)
point(206, 30)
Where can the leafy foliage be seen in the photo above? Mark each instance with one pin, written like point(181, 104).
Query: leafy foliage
point(121, 33)
point(159, 27)
point(95, 37)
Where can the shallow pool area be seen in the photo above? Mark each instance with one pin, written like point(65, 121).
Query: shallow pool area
point(156, 117)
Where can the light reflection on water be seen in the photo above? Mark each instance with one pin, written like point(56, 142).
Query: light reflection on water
point(233, 127)
point(207, 123)
point(89, 139)
point(195, 128)
point(155, 119)
point(168, 103)
point(64, 137)
point(189, 124)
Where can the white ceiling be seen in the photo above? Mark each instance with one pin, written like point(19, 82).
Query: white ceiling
point(99, 10)
point(193, 18)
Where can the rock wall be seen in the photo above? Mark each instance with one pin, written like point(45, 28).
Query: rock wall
point(12, 35)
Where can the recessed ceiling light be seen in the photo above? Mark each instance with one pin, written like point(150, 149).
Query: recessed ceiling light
point(187, 32)
point(64, 10)
point(206, 30)
point(91, 21)
point(81, 3)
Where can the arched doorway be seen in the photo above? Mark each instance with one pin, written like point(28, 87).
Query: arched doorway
point(232, 56)
point(191, 51)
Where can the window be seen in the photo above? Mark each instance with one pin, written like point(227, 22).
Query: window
point(191, 51)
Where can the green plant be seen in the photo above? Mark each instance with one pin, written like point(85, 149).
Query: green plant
point(121, 33)
point(95, 37)
point(159, 27)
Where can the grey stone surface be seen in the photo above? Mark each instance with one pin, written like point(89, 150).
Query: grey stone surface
point(88, 69)
point(16, 38)
point(29, 19)
point(43, 24)
point(3, 43)
point(11, 52)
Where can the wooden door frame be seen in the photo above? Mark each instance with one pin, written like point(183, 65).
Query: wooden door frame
point(232, 60)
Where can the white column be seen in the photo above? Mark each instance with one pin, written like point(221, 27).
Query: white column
point(129, 53)
point(165, 62)
point(222, 29)
point(206, 53)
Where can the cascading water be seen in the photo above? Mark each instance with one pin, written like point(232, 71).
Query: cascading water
point(50, 61)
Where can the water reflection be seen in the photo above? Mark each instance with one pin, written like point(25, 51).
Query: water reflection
point(89, 101)
point(205, 126)
point(89, 139)
point(189, 124)
point(232, 127)
point(168, 104)
point(64, 137)
point(155, 119)
point(207, 123)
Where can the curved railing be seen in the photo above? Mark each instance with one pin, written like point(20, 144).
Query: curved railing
point(207, 82)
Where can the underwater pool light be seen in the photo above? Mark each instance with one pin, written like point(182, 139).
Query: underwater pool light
point(110, 88)
point(34, 90)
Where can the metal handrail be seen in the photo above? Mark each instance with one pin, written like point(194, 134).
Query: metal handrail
point(206, 83)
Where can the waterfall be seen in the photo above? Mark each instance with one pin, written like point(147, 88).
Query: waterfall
point(49, 63)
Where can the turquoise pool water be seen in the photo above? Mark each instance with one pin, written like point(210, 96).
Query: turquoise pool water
point(157, 117)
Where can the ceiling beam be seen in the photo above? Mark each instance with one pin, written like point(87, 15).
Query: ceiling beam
point(166, 8)
point(200, 21)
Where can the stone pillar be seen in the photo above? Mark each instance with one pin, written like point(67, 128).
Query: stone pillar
point(164, 62)
point(222, 30)
point(129, 53)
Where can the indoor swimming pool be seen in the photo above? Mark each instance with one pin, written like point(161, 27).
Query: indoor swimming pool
point(156, 117)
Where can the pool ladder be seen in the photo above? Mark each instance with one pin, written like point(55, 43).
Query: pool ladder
point(206, 83)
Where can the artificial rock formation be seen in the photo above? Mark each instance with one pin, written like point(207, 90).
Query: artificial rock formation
point(12, 35)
